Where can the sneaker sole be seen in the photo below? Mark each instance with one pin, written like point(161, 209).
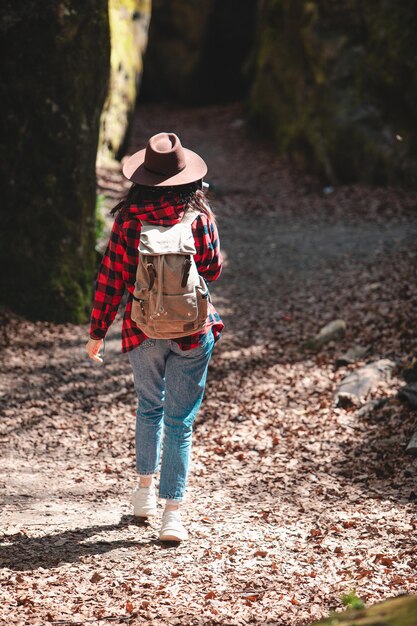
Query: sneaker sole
point(172, 537)
point(148, 514)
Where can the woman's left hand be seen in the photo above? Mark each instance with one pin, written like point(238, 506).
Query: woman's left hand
point(93, 347)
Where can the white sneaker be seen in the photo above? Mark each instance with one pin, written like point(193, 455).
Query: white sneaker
point(144, 501)
point(172, 527)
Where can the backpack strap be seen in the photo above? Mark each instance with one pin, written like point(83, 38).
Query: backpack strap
point(160, 272)
point(150, 266)
point(186, 270)
point(189, 216)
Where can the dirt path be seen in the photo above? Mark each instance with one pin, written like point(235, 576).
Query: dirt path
point(291, 502)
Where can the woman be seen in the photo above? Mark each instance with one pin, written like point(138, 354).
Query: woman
point(169, 374)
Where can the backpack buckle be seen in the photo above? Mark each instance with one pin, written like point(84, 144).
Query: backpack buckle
point(152, 274)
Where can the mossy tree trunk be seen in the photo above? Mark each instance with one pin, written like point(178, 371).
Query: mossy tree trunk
point(53, 88)
point(336, 83)
point(400, 611)
point(129, 23)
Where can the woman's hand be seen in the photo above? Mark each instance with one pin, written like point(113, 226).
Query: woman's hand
point(93, 346)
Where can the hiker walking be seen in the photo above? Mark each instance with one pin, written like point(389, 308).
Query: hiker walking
point(163, 249)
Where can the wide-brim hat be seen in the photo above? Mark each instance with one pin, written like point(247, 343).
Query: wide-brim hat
point(164, 162)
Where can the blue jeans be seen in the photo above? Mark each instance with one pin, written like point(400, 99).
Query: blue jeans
point(170, 385)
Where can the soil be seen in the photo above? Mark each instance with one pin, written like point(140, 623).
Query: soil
point(291, 503)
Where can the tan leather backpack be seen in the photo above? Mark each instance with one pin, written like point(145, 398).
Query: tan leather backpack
point(170, 298)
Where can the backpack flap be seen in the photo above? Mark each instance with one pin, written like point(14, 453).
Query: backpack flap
point(157, 240)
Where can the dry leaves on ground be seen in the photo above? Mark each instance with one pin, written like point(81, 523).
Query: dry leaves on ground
point(291, 502)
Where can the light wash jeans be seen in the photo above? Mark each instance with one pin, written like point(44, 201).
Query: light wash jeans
point(170, 386)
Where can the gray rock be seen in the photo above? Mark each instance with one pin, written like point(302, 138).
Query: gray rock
point(332, 330)
point(412, 446)
point(409, 394)
point(410, 374)
point(355, 387)
point(355, 353)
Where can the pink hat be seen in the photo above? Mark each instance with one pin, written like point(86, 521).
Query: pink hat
point(164, 162)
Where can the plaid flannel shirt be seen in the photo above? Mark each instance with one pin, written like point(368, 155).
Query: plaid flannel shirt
point(117, 270)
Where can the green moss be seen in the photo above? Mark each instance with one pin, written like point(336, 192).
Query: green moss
point(128, 44)
point(336, 84)
point(100, 221)
point(352, 601)
point(401, 611)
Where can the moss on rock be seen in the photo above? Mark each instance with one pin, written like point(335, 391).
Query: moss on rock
point(336, 83)
point(54, 85)
point(401, 611)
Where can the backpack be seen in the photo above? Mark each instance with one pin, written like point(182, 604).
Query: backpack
point(170, 298)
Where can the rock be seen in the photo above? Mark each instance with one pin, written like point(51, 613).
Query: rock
point(355, 353)
point(332, 330)
point(400, 611)
point(409, 394)
point(370, 406)
point(55, 78)
point(336, 85)
point(198, 51)
point(237, 123)
point(412, 445)
point(240, 418)
point(355, 387)
point(410, 373)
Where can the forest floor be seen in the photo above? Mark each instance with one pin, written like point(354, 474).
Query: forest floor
point(291, 502)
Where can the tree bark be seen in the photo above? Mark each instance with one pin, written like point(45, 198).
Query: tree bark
point(129, 22)
point(400, 611)
point(54, 85)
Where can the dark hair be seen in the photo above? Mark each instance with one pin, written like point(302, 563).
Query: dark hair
point(190, 194)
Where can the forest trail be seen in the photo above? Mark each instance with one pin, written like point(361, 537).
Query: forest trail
point(291, 503)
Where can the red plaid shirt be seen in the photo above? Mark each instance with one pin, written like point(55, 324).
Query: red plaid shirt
point(117, 270)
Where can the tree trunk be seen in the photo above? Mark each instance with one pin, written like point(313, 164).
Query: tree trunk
point(53, 89)
point(129, 22)
point(400, 611)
